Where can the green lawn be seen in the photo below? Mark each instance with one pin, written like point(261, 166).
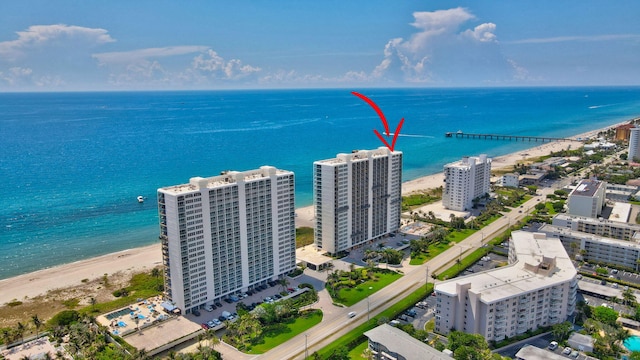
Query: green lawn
point(419, 260)
point(437, 249)
point(457, 236)
point(300, 325)
point(356, 352)
point(350, 296)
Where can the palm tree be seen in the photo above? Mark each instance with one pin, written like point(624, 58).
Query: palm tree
point(284, 283)
point(213, 338)
point(20, 330)
point(37, 323)
point(6, 336)
point(629, 297)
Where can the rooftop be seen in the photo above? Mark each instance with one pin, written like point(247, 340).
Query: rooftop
point(586, 188)
point(402, 343)
point(556, 230)
point(541, 262)
point(358, 155)
point(226, 178)
point(530, 352)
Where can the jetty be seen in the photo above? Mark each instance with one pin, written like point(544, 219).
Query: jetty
point(462, 135)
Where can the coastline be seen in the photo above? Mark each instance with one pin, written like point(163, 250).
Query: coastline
point(145, 258)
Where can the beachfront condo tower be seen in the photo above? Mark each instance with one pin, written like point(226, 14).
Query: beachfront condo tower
point(634, 144)
point(464, 181)
point(226, 234)
point(357, 198)
point(537, 289)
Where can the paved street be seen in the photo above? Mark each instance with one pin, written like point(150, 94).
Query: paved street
point(336, 324)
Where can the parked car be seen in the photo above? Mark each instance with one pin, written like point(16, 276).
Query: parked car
point(574, 354)
point(209, 308)
point(204, 326)
point(196, 312)
point(567, 351)
point(553, 345)
point(218, 303)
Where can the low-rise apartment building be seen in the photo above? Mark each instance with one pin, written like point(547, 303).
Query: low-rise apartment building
point(537, 288)
point(596, 249)
point(602, 227)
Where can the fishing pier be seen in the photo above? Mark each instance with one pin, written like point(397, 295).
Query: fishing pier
point(462, 135)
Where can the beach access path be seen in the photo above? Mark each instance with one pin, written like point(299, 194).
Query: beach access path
point(145, 258)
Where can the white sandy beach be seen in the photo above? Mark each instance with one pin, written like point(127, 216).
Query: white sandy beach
point(145, 258)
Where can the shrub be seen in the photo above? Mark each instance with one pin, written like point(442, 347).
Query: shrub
point(64, 318)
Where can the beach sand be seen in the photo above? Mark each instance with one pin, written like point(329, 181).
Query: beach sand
point(145, 258)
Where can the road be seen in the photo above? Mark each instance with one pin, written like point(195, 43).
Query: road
point(338, 324)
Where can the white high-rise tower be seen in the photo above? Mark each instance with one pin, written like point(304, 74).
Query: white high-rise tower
point(226, 234)
point(465, 180)
point(634, 144)
point(357, 198)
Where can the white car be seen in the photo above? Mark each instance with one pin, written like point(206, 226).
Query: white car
point(351, 314)
point(567, 350)
point(553, 345)
point(209, 308)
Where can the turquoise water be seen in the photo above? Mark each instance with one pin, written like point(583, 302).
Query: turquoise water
point(72, 164)
point(632, 343)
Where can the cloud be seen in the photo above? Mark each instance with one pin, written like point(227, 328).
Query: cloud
point(172, 67)
point(144, 54)
point(444, 52)
point(214, 66)
point(37, 37)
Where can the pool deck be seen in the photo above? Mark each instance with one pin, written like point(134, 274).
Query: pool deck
point(146, 311)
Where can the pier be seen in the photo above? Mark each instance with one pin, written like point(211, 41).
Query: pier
point(462, 135)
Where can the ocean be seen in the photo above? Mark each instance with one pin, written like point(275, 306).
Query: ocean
point(72, 164)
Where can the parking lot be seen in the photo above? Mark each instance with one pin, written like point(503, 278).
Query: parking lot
point(213, 316)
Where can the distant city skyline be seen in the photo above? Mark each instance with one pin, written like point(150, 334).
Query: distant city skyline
point(145, 45)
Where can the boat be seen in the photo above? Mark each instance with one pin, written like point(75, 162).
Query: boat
point(140, 199)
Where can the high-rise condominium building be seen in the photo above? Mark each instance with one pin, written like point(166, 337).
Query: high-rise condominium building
point(465, 180)
point(634, 144)
point(357, 198)
point(226, 234)
point(537, 288)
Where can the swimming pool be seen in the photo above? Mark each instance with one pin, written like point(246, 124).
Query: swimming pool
point(632, 343)
point(117, 314)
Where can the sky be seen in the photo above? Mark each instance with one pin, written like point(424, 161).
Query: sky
point(75, 45)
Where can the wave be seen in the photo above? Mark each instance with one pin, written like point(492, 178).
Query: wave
point(271, 126)
point(413, 135)
point(601, 106)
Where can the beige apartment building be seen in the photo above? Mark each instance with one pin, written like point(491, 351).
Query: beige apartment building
point(537, 288)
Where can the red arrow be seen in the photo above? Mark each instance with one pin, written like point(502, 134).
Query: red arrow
point(384, 122)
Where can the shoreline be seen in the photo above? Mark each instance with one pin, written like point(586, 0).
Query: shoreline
point(138, 259)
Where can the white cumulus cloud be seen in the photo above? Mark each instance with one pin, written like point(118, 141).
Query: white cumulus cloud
point(39, 36)
point(215, 66)
point(445, 51)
